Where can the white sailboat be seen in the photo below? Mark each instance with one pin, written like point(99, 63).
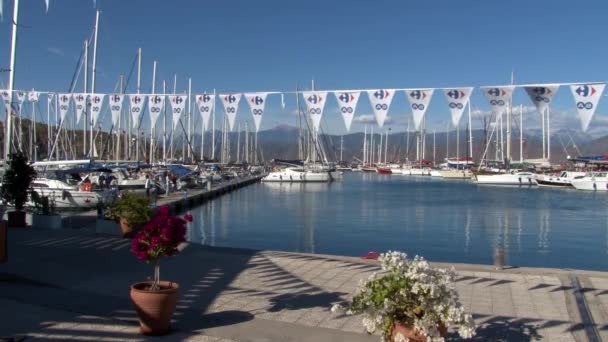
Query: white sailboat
point(563, 180)
point(512, 178)
point(596, 181)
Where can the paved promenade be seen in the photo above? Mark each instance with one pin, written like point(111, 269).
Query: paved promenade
point(74, 285)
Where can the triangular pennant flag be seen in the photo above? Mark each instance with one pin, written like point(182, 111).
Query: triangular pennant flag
point(498, 97)
point(80, 101)
point(231, 106)
point(380, 100)
point(257, 102)
point(419, 102)
point(205, 103)
point(155, 107)
point(116, 107)
point(315, 103)
point(586, 97)
point(178, 103)
point(457, 100)
point(33, 96)
point(137, 105)
point(96, 103)
point(64, 104)
point(541, 95)
point(347, 103)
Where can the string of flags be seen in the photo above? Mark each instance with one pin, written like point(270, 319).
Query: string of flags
point(586, 97)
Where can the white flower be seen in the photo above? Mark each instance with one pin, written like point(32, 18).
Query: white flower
point(400, 338)
point(369, 324)
point(337, 308)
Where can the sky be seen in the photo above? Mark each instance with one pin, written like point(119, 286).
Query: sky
point(276, 45)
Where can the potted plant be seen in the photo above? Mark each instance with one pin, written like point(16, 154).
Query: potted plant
point(409, 301)
point(43, 212)
point(132, 211)
point(155, 300)
point(15, 184)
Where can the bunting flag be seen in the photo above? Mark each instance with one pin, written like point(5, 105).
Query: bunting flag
point(178, 103)
point(33, 96)
point(457, 100)
point(231, 106)
point(315, 103)
point(50, 97)
point(586, 96)
point(499, 98)
point(6, 100)
point(257, 102)
point(137, 103)
point(155, 106)
point(205, 103)
point(116, 107)
point(347, 101)
point(64, 104)
point(79, 104)
point(96, 103)
point(541, 95)
point(380, 100)
point(419, 101)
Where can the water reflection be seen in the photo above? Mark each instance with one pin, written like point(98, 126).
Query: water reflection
point(441, 220)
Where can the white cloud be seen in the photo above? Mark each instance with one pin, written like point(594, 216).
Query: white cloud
point(55, 51)
point(370, 119)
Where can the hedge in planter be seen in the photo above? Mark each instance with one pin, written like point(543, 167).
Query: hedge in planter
point(15, 187)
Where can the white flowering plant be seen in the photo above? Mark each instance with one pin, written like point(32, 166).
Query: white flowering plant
point(411, 292)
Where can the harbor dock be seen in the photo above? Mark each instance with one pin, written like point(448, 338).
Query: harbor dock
point(74, 285)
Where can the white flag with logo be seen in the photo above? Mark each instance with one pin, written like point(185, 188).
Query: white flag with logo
point(33, 96)
point(380, 100)
point(347, 103)
point(499, 97)
point(541, 95)
point(205, 103)
point(137, 104)
point(457, 100)
point(20, 98)
point(79, 104)
point(178, 103)
point(64, 104)
point(5, 98)
point(586, 97)
point(96, 103)
point(231, 106)
point(155, 107)
point(116, 107)
point(419, 102)
point(315, 103)
point(257, 102)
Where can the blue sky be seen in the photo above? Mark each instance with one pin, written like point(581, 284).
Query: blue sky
point(273, 45)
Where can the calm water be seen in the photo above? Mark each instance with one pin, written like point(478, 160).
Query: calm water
point(452, 221)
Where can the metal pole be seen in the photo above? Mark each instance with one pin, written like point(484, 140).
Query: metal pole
point(11, 84)
point(470, 132)
point(93, 74)
point(153, 124)
point(542, 116)
point(138, 92)
point(549, 134)
point(86, 89)
point(165, 124)
point(213, 131)
point(49, 99)
point(190, 116)
point(172, 128)
point(521, 133)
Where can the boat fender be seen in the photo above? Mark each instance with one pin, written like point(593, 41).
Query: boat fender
point(281, 177)
point(519, 180)
point(65, 194)
point(290, 178)
point(594, 186)
point(301, 178)
point(529, 180)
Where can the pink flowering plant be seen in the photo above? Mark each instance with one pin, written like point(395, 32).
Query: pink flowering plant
point(160, 237)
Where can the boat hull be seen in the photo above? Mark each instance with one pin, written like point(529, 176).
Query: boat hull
point(506, 179)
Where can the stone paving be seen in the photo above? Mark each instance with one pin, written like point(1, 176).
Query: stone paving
point(73, 285)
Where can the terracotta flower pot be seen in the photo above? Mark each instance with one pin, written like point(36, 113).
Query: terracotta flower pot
point(127, 229)
point(407, 330)
point(16, 218)
point(154, 308)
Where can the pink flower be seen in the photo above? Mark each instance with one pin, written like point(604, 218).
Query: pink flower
point(163, 210)
point(188, 217)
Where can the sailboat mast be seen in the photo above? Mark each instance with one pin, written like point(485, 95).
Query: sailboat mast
point(153, 124)
point(470, 133)
point(11, 83)
point(165, 123)
point(521, 133)
point(213, 130)
point(138, 92)
point(86, 86)
point(93, 74)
